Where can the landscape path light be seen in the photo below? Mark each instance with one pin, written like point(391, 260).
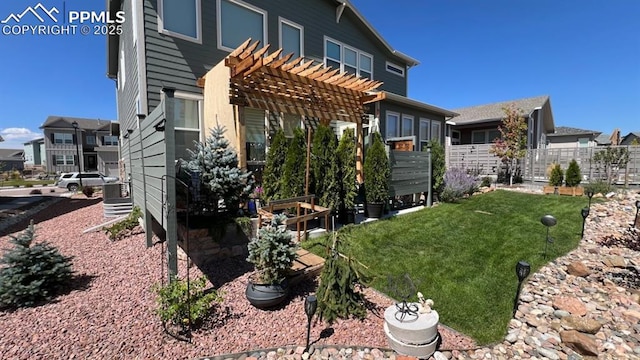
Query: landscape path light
point(522, 271)
point(75, 130)
point(585, 214)
point(548, 221)
point(590, 195)
point(310, 306)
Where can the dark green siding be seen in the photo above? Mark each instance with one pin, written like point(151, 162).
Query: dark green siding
point(176, 63)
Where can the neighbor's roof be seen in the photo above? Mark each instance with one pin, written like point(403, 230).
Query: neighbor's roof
point(494, 112)
point(83, 123)
point(565, 130)
point(603, 139)
point(11, 154)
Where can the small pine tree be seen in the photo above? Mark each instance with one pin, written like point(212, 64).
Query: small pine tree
point(219, 171)
point(557, 175)
point(340, 278)
point(346, 155)
point(376, 171)
point(573, 175)
point(293, 174)
point(33, 272)
point(324, 166)
point(274, 165)
point(273, 251)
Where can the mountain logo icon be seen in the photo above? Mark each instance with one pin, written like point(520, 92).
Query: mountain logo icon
point(39, 11)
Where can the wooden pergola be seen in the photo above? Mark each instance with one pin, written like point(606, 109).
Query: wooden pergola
point(277, 83)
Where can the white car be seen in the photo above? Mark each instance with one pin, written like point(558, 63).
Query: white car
point(71, 181)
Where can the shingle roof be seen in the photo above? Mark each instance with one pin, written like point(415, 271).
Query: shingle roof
point(491, 112)
point(565, 130)
point(603, 139)
point(83, 123)
point(11, 154)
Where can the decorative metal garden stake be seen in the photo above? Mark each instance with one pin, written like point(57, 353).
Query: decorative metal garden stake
point(429, 196)
point(310, 306)
point(548, 221)
point(75, 131)
point(522, 271)
point(585, 214)
point(590, 195)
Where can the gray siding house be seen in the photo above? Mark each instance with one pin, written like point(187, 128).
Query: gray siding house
point(568, 137)
point(35, 153)
point(97, 146)
point(11, 159)
point(173, 44)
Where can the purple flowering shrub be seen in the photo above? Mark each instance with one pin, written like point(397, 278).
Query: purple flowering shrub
point(458, 183)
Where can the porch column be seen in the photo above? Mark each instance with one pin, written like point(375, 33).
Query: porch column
point(242, 138)
point(359, 147)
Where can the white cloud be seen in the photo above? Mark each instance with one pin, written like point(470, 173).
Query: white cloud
point(19, 134)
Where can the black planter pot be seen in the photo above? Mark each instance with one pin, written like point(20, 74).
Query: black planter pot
point(264, 296)
point(375, 210)
point(347, 216)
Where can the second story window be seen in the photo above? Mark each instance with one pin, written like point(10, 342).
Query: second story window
point(348, 59)
point(91, 139)
point(63, 138)
point(180, 18)
point(291, 38)
point(238, 21)
point(108, 140)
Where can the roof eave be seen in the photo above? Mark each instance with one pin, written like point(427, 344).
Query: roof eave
point(411, 102)
point(408, 59)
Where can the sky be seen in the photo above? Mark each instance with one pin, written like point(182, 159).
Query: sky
point(584, 54)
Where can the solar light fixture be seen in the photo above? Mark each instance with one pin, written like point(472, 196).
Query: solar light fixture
point(548, 221)
point(585, 214)
point(522, 271)
point(590, 195)
point(310, 306)
point(75, 130)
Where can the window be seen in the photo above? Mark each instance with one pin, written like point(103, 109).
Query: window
point(395, 69)
point(62, 138)
point(256, 138)
point(484, 136)
point(583, 142)
point(109, 140)
point(91, 139)
point(407, 125)
point(187, 113)
point(291, 38)
point(289, 123)
point(238, 21)
point(180, 18)
point(392, 125)
point(436, 131)
point(455, 137)
point(64, 160)
point(425, 125)
point(348, 59)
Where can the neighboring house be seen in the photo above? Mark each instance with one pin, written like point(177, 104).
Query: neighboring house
point(603, 140)
point(35, 153)
point(630, 137)
point(479, 124)
point(11, 159)
point(568, 137)
point(167, 44)
point(92, 144)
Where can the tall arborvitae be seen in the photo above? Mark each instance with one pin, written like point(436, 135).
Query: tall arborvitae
point(376, 171)
point(272, 177)
point(324, 166)
point(573, 177)
point(217, 165)
point(293, 176)
point(32, 273)
point(346, 155)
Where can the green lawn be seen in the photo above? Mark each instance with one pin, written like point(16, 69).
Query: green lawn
point(463, 255)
